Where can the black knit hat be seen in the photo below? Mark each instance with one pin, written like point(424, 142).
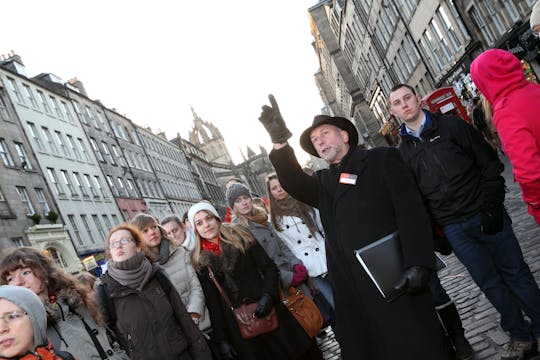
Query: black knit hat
point(342, 123)
point(234, 191)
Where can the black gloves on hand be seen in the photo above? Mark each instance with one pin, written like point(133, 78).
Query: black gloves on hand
point(491, 217)
point(414, 279)
point(273, 122)
point(264, 306)
point(226, 351)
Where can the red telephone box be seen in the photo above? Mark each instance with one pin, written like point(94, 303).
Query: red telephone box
point(446, 101)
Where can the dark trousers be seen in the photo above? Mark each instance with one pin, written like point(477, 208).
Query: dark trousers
point(496, 264)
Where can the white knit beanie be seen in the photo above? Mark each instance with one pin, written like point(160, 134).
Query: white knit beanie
point(203, 205)
point(535, 15)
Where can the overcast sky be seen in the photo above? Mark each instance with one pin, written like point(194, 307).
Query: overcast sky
point(152, 60)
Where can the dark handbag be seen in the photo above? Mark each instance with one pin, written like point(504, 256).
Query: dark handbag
point(303, 309)
point(327, 312)
point(249, 325)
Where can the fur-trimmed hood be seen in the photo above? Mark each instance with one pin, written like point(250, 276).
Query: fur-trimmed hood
point(224, 262)
point(67, 296)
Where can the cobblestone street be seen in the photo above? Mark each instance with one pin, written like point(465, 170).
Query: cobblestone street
point(480, 319)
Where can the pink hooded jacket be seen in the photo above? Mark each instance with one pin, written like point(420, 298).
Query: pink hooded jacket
point(516, 113)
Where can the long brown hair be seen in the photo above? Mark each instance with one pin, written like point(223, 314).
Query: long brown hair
point(52, 277)
point(141, 221)
point(235, 235)
point(293, 208)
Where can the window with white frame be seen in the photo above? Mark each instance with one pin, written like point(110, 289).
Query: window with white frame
point(4, 114)
point(107, 152)
point(88, 182)
point(68, 183)
point(30, 95)
point(111, 185)
point(25, 161)
point(5, 154)
point(56, 107)
point(73, 146)
point(99, 227)
point(494, 16)
point(432, 52)
point(57, 257)
point(82, 147)
point(67, 111)
point(115, 219)
point(15, 90)
point(118, 156)
point(56, 184)
point(441, 40)
point(18, 242)
point(99, 185)
point(61, 143)
point(95, 147)
point(75, 227)
point(107, 222)
point(25, 199)
point(79, 184)
point(42, 200)
point(90, 116)
point(478, 19)
point(44, 102)
point(448, 27)
point(49, 140)
point(122, 187)
point(84, 219)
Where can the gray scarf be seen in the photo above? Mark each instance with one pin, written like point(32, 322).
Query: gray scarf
point(133, 272)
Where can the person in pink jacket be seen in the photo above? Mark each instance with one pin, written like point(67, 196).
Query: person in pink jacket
point(516, 104)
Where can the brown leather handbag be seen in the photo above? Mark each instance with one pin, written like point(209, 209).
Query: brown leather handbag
point(303, 309)
point(249, 325)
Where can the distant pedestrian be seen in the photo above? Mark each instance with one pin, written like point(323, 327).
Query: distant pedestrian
point(516, 106)
point(459, 176)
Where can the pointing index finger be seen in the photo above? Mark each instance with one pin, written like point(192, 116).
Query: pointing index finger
point(273, 102)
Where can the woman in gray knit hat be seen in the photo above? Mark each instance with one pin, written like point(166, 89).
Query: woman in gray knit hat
point(23, 326)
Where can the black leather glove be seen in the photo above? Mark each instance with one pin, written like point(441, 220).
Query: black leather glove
point(263, 306)
point(273, 122)
point(226, 351)
point(491, 217)
point(414, 279)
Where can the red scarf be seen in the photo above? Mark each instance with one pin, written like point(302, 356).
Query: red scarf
point(212, 247)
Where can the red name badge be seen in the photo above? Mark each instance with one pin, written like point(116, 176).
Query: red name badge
point(349, 179)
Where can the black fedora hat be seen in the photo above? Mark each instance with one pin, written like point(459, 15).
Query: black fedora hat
point(319, 120)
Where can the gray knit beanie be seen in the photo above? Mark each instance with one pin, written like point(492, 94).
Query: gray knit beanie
point(234, 191)
point(535, 15)
point(32, 305)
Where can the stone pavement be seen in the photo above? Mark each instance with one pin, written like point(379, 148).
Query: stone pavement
point(480, 319)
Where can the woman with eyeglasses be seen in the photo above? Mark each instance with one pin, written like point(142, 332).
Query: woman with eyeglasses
point(149, 317)
point(175, 260)
point(244, 271)
point(23, 324)
point(74, 322)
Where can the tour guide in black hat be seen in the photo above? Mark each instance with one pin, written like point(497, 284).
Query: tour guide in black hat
point(364, 196)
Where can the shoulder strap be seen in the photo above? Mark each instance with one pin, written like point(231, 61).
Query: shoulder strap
point(108, 304)
point(164, 282)
point(221, 291)
point(92, 332)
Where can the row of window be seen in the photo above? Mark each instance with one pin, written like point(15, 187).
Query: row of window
point(26, 201)
point(100, 223)
point(7, 158)
point(77, 185)
point(48, 104)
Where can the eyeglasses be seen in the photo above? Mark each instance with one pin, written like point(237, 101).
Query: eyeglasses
point(13, 316)
point(121, 242)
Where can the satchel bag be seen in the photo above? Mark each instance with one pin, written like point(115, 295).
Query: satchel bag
point(303, 309)
point(249, 325)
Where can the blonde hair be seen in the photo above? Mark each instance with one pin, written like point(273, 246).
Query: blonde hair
point(232, 234)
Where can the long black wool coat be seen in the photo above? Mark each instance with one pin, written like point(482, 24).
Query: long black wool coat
point(383, 199)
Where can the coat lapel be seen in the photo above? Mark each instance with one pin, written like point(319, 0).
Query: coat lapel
point(354, 165)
